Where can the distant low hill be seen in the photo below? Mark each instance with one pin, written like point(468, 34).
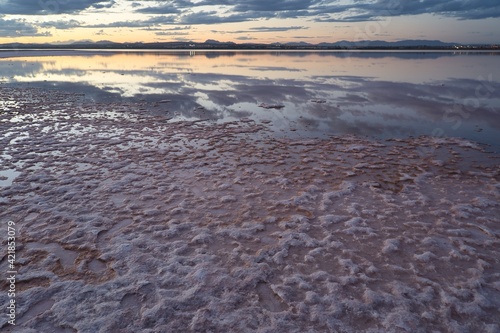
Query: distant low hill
point(381, 43)
point(214, 44)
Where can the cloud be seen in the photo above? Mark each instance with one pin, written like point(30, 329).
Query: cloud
point(60, 24)
point(42, 7)
point(147, 23)
point(164, 7)
point(155, 14)
point(214, 17)
point(101, 33)
point(244, 38)
point(302, 37)
point(18, 28)
point(359, 12)
point(176, 29)
point(220, 11)
point(171, 33)
point(224, 11)
point(271, 29)
point(271, 6)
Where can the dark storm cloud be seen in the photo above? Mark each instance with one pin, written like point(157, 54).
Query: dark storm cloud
point(33, 7)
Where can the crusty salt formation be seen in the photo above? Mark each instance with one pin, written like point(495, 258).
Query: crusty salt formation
point(128, 222)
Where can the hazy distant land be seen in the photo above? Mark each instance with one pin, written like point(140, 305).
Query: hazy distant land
point(214, 44)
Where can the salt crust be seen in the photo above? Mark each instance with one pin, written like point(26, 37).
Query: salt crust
point(130, 223)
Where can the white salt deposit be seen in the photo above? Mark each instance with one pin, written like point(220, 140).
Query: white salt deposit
point(130, 223)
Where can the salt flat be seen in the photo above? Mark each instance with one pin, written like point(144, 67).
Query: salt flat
point(129, 222)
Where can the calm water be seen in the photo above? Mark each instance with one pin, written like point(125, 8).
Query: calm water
point(376, 94)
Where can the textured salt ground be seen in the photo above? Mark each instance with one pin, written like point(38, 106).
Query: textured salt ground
point(130, 223)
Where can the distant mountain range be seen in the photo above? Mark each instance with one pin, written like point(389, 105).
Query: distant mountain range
point(214, 44)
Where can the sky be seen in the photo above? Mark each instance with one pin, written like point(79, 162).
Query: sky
point(259, 21)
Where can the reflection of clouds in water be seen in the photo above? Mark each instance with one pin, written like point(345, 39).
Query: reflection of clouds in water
point(352, 98)
point(365, 105)
point(431, 102)
point(377, 108)
point(271, 69)
point(9, 69)
point(362, 106)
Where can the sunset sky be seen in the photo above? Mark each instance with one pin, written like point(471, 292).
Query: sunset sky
point(313, 21)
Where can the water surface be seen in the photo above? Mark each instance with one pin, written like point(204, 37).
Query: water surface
point(375, 94)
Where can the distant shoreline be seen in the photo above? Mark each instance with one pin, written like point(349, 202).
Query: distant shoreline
point(72, 50)
point(94, 47)
point(408, 45)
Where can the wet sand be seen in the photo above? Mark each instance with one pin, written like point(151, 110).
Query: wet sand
point(130, 222)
